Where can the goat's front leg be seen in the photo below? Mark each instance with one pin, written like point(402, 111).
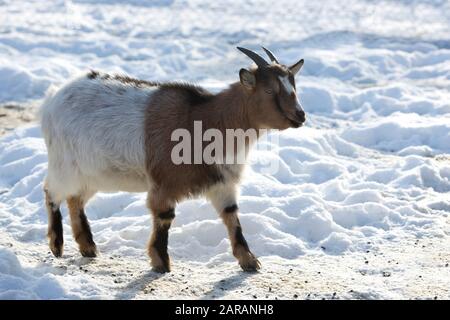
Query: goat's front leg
point(224, 200)
point(246, 258)
point(163, 212)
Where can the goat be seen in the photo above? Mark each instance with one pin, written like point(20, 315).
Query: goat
point(107, 133)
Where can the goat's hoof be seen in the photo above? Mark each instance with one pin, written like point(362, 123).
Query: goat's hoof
point(57, 249)
point(160, 262)
point(57, 252)
point(161, 269)
point(250, 263)
point(89, 251)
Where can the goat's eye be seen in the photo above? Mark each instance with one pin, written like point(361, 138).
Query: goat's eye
point(269, 91)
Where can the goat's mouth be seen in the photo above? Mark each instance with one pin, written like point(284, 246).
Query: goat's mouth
point(293, 120)
point(295, 123)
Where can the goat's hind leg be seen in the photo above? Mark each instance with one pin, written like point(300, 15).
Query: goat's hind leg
point(55, 227)
point(80, 226)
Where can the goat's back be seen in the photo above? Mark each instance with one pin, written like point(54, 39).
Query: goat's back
point(95, 125)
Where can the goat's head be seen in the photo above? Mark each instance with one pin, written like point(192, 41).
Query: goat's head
point(272, 90)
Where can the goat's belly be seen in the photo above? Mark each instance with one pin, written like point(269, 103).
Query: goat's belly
point(123, 181)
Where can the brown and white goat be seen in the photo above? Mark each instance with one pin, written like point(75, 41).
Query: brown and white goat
point(113, 133)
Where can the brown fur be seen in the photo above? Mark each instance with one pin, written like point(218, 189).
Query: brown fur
point(93, 74)
point(157, 248)
point(176, 106)
point(80, 227)
point(135, 82)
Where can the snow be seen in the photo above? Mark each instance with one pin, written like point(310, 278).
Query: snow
point(366, 179)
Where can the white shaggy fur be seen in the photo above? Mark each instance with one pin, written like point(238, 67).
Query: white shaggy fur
point(223, 195)
point(94, 131)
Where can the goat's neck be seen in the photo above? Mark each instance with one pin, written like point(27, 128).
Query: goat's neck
point(231, 106)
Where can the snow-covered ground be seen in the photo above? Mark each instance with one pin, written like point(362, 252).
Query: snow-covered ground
point(360, 206)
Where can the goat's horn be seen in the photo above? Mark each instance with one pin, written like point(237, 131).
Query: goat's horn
point(260, 62)
point(271, 55)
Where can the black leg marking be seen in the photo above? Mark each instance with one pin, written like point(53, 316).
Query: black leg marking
point(57, 229)
point(167, 215)
point(246, 258)
point(160, 243)
point(85, 228)
point(231, 209)
point(88, 247)
point(240, 240)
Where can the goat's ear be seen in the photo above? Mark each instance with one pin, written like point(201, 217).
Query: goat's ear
point(295, 68)
point(248, 79)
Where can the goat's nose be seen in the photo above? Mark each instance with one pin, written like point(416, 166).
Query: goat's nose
point(301, 115)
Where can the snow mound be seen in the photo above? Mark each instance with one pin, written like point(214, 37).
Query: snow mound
point(405, 134)
point(19, 82)
point(18, 284)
